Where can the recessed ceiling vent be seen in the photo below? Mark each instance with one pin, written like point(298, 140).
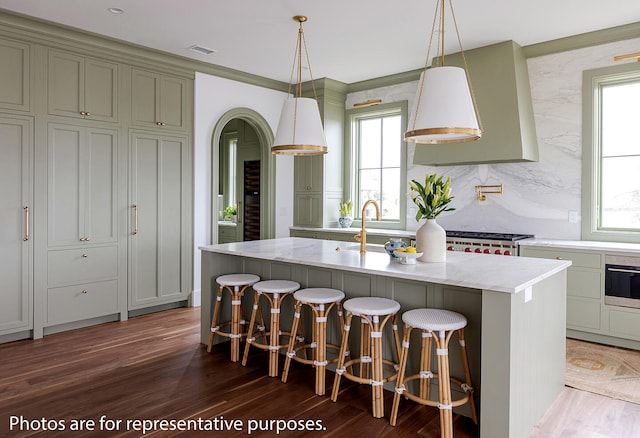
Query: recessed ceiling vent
point(201, 50)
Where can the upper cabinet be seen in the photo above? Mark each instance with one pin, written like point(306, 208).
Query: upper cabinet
point(158, 101)
point(82, 87)
point(500, 81)
point(14, 75)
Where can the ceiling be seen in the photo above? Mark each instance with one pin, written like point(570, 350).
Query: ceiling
point(347, 40)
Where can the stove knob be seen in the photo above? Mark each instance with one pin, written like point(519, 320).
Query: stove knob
point(486, 251)
point(498, 252)
point(477, 250)
point(450, 248)
point(507, 252)
point(467, 249)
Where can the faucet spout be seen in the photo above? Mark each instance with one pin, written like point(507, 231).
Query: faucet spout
point(362, 237)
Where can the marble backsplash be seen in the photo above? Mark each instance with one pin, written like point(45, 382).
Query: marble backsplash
point(538, 197)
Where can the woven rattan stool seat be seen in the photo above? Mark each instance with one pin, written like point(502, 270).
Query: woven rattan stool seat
point(237, 279)
point(318, 295)
point(276, 286)
point(434, 319)
point(371, 306)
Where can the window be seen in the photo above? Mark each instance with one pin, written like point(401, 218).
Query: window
point(612, 154)
point(377, 162)
point(228, 174)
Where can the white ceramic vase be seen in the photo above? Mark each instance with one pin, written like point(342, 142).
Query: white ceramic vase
point(431, 240)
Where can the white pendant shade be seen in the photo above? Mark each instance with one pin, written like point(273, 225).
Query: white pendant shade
point(300, 129)
point(443, 111)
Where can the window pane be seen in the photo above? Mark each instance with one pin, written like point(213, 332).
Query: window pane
point(391, 138)
point(390, 204)
point(369, 187)
point(370, 137)
point(620, 193)
point(620, 118)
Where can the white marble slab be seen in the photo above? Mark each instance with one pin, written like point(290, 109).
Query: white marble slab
point(477, 271)
point(585, 245)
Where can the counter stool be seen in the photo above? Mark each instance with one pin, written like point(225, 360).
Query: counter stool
point(369, 310)
point(443, 323)
point(235, 284)
point(321, 301)
point(274, 291)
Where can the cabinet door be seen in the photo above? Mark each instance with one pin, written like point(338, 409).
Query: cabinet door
point(14, 75)
point(308, 173)
point(15, 251)
point(173, 104)
point(158, 101)
point(82, 180)
point(82, 87)
point(159, 258)
point(308, 210)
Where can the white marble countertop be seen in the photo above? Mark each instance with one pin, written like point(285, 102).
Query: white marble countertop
point(584, 245)
point(477, 271)
point(352, 231)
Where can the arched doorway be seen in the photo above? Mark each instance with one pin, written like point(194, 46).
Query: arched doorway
point(267, 173)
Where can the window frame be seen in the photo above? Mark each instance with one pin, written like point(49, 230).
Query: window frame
point(352, 116)
point(592, 81)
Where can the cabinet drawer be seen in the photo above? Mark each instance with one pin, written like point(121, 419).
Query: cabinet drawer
point(585, 283)
point(578, 259)
point(83, 264)
point(82, 301)
point(625, 323)
point(583, 314)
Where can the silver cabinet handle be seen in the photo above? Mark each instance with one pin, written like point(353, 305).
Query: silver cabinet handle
point(27, 223)
point(135, 219)
point(628, 271)
point(84, 256)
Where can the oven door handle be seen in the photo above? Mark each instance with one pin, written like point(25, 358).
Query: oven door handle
point(628, 271)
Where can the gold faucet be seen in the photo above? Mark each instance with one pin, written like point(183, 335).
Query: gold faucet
point(362, 237)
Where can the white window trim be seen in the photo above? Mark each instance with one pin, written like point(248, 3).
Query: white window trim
point(350, 156)
point(591, 132)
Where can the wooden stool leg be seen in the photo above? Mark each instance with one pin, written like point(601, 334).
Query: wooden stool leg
point(425, 364)
point(274, 336)
point(346, 328)
point(236, 334)
point(320, 361)
point(376, 369)
point(254, 312)
point(292, 342)
point(365, 346)
point(446, 414)
point(214, 319)
point(467, 375)
point(404, 353)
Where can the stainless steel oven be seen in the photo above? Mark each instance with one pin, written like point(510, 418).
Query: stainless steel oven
point(622, 281)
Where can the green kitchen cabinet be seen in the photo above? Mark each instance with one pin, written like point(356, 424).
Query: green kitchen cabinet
point(82, 87)
point(160, 219)
point(82, 185)
point(158, 101)
point(16, 232)
point(500, 82)
point(15, 84)
point(585, 283)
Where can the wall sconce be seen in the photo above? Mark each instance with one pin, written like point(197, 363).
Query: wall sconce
point(482, 191)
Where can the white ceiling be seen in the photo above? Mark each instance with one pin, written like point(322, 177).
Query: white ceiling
point(347, 40)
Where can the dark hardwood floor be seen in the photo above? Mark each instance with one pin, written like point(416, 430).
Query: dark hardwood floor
point(153, 367)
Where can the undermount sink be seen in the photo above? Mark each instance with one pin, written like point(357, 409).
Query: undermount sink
point(371, 247)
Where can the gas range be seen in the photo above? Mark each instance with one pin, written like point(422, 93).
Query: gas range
point(485, 243)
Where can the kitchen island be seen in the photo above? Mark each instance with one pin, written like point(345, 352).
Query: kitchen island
point(515, 308)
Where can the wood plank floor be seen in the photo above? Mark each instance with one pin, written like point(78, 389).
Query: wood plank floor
point(153, 367)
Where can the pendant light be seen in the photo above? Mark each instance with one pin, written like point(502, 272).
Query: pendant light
point(444, 109)
point(300, 130)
